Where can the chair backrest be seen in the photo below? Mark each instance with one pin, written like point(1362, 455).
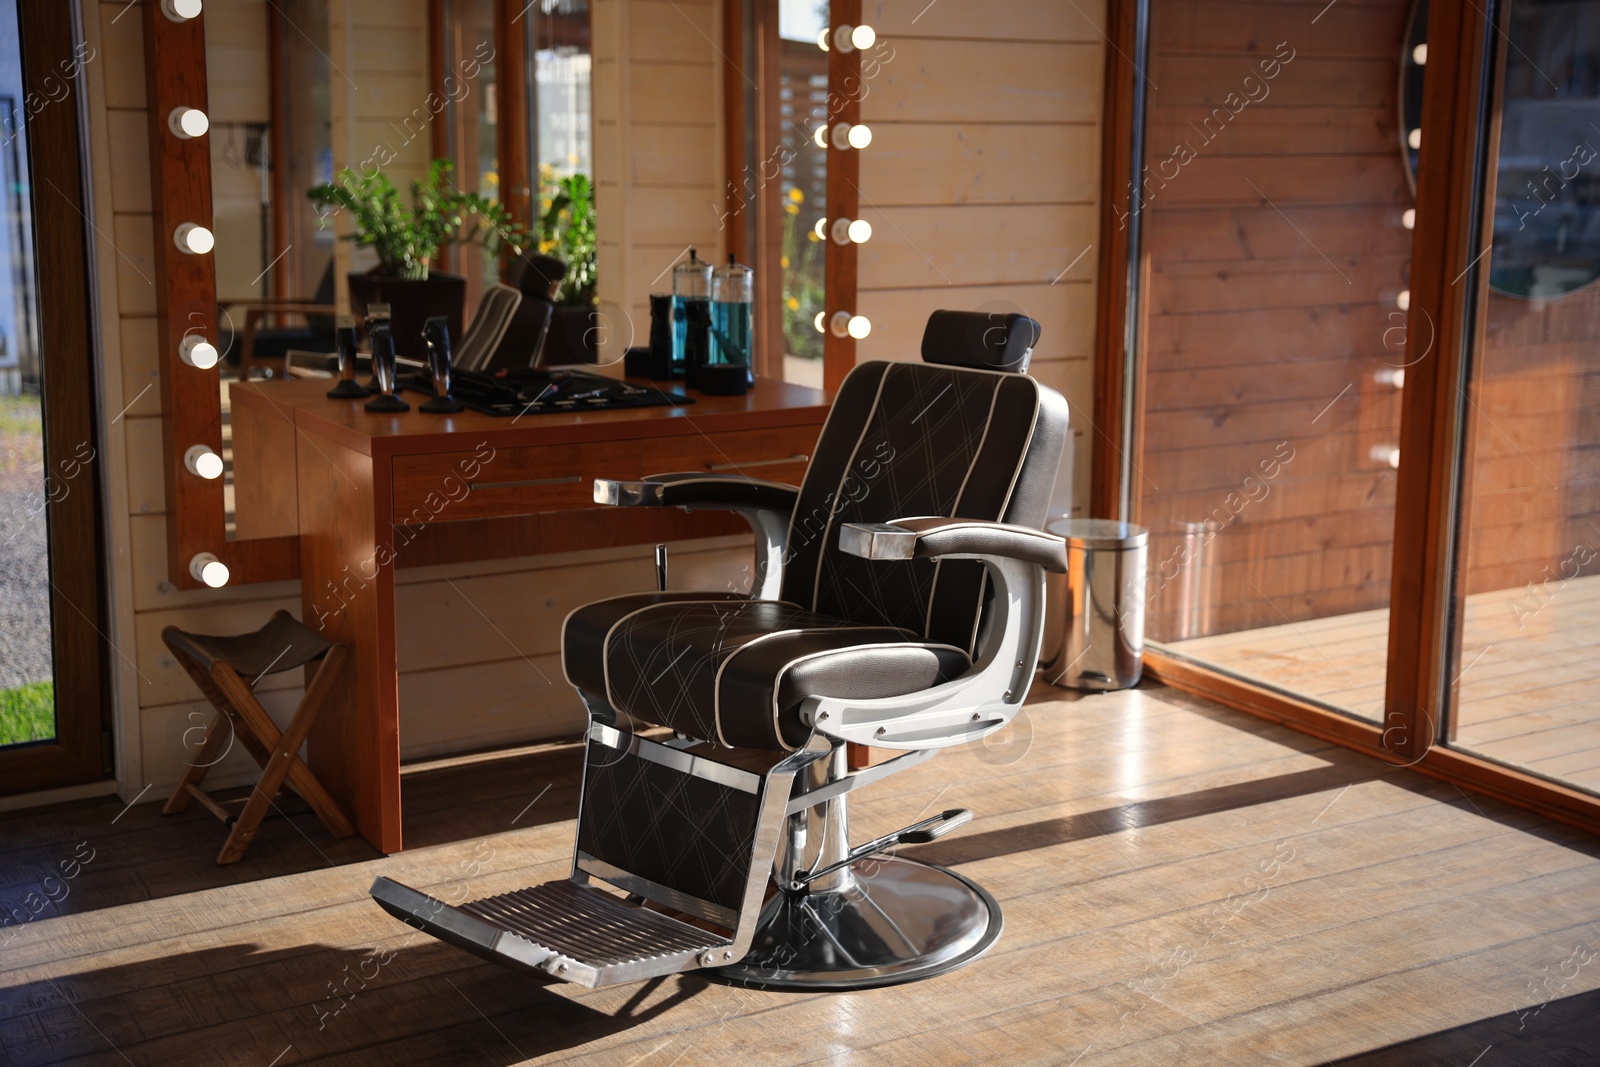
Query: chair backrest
point(488, 326)
point(953, 438)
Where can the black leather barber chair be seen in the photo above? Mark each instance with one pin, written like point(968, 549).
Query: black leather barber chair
point(899, 604)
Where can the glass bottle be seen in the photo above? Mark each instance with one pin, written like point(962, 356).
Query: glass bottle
point(691, 284)
point(733, 288)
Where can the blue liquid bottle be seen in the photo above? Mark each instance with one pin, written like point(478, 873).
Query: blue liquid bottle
point(733, 316)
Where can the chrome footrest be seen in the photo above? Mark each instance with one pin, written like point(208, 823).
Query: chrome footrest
point(565, 929)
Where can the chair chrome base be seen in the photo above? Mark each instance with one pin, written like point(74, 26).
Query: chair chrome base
point(895, 920)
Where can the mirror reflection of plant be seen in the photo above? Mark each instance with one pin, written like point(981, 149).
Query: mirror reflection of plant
point(406, 239)
point(801, 262)
point(565, 230)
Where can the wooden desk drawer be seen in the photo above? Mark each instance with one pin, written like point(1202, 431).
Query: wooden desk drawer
point(459, 486)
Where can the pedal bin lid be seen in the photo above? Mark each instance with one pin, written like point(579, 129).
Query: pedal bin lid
point(1099, 533)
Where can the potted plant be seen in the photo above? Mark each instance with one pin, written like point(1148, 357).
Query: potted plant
point(565, 230)
point(407, 238)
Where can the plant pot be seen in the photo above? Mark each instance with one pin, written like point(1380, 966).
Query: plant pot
point(574, 337)
point(411, 304)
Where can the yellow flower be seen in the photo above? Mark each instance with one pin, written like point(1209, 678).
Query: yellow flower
point(797, 196)
point(784, 262)
point(793, 209)
point(792, 303)
point(811, 235)
point(545, 247)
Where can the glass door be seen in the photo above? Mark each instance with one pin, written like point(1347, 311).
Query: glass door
point(53, 680)
point(1273, 211)
point(1526, 681)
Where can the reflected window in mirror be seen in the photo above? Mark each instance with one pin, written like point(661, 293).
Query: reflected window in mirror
point(781, 195)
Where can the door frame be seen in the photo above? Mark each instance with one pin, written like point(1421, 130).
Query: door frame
point(1421, 634)
point(81, 751)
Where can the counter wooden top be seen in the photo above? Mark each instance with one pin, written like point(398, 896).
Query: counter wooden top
point(304, 403)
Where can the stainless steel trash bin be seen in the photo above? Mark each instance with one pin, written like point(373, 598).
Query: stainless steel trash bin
point(1094, 629)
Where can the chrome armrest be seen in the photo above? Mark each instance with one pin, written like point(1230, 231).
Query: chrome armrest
point(766, 506)
point(987, 696)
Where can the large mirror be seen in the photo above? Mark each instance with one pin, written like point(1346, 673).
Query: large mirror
point(604, 140)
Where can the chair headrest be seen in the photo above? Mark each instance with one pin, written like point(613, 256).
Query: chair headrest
point(986, 340)
point(537, 276)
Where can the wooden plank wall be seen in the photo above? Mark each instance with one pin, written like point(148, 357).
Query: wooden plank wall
point(478, 642)
point(1275, 253)
point(982, 179)
point(658, 154)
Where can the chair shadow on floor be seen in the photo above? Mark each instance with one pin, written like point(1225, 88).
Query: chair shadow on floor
point(394, 1004)
point(137, 854)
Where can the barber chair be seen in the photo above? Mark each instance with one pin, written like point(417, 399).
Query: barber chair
point(898, 604)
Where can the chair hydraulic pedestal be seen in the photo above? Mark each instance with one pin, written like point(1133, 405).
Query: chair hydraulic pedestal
point(712, 830)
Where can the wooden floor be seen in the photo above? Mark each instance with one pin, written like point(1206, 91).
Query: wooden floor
point(1528, 671)
point(1181, 883)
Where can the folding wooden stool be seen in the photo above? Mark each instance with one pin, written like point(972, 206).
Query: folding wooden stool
point(227, 669)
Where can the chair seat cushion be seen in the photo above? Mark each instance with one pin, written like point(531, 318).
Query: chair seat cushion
point(725, 668)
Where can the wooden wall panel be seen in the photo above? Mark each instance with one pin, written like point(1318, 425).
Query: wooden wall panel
point(982, 180)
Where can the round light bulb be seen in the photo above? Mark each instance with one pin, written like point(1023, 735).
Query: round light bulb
point(198, 352)
point(839, 324)
point(821, 137)
point(1388, 454)
point(180, 10)
point(821, 228)
point(819, 323)
point(859, 326)
point(841, 231)
point(860, 231)
point(1408, 218)
point(203, 462)
point(863, 36)
point(209, 570)
point(860, 136)
point(1402, 300)
point(194, 239)
point(844, 38)
point(822, 40)
point(1419, 54)
point(188, 122)
point(1414, 138)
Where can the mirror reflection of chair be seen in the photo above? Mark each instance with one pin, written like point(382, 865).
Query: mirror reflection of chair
point(268, 348)
point(488, 327)
point(899, 603)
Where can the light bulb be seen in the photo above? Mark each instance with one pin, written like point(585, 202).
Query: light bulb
point(198, 352)
point(202, 461)
point(1408, 218)
point(194, 239)
point(180, 10)
point(1391, 376)
point(209, 570)
point(188, 122)
point(847, 230)
point(822, 40)
point(821, 137)
point(821, 228)
point(1414, 138)
point(860, 136)
point(843, 39)
point(863, 36)
point(844, 324)
point(860, 231)
point(818, 322)
point(1419, 54)
point(1388, 454)
point(1402, 300)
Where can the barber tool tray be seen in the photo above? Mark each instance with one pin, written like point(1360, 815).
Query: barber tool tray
point(544, 391)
